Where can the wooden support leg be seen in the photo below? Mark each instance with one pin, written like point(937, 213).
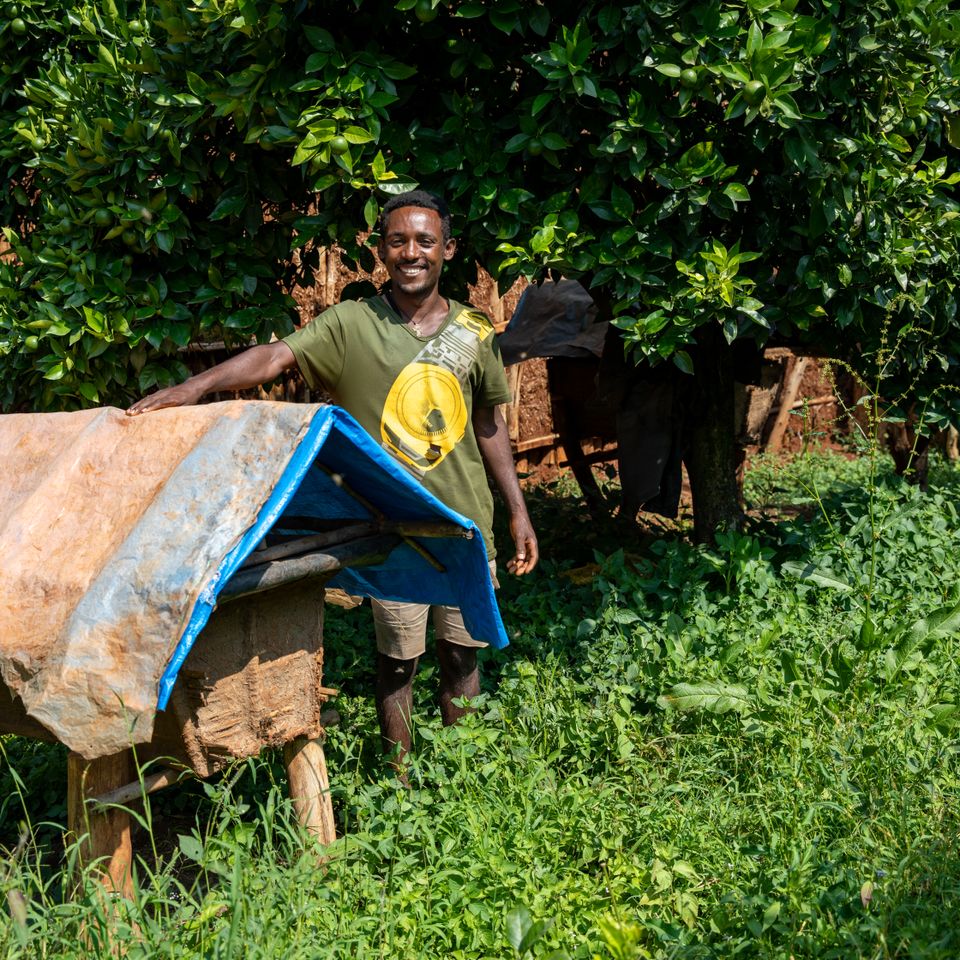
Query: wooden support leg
point(106, 834)
point(310, 787)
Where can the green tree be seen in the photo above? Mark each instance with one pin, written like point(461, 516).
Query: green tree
point(716, 172)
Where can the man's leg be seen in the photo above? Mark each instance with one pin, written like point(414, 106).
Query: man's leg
point(395, 702)
point(457, 654)
point(459, 677)
point(401, 632)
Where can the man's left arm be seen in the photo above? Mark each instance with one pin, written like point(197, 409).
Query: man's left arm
point(494, 443)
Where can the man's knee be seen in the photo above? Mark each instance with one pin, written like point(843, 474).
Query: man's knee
point(456, 660)
point(393, 673)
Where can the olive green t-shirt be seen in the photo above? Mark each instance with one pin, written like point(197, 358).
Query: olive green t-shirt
point(414, 395)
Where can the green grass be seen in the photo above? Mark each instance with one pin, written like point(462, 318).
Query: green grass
point(748, 750)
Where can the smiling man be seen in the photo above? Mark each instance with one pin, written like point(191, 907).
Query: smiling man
point(423, 376)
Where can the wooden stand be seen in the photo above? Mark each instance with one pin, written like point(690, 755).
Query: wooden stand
point(103, 835)
point(309, 787)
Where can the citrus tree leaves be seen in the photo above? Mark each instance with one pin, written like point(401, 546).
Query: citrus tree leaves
point(594, 141)
point(166, 198)
point(145, 199)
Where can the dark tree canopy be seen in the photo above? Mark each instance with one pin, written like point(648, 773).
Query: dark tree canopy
point(762, 168)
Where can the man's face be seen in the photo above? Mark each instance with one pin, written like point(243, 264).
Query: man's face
point(413, 250)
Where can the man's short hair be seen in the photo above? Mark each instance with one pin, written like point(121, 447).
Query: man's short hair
point(417, 198)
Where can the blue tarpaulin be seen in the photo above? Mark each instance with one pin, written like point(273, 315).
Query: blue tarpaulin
point(337, 448)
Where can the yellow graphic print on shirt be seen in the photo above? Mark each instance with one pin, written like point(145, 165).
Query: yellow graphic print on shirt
point(425, 414)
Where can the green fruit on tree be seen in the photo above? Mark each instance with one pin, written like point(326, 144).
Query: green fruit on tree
point(689, 79)
point(19, 26)
point(339, 145)
point(129, 238)
point(425, 11)
point(851, 178)
point(31, 343)
point(135, 26)
point(535, 147)
point(103, 217)
point(754, 92)
point(127, 260)
point(38, 143)
point(907, 126)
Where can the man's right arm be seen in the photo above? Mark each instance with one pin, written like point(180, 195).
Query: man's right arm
point(248, 369)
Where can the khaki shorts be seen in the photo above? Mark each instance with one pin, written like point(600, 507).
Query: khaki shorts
point(401, 628)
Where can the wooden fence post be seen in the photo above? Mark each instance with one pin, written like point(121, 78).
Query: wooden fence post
point(333, 275)
point(792, 378)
